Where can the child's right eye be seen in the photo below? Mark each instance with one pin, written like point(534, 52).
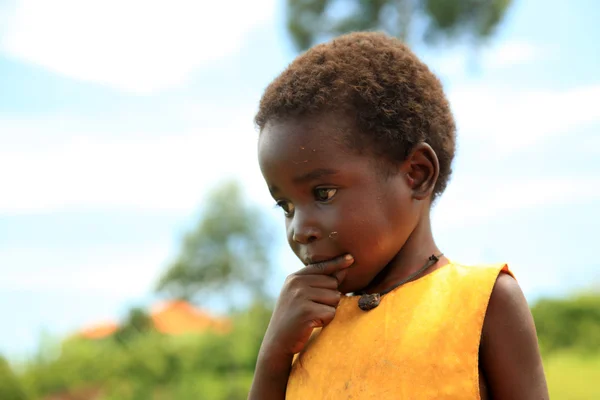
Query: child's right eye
point(286, 206)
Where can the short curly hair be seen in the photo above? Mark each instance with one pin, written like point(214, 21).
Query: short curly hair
point(396, 100)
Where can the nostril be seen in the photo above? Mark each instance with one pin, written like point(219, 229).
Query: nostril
point(305, 238)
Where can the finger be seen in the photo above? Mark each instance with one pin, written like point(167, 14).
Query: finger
point(327, 267)
point(324, 296)
point(323, 315)
point(340, 276)
point(321, 281)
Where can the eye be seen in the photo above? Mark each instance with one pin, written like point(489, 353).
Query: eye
point(286, 206)
point(324, 194)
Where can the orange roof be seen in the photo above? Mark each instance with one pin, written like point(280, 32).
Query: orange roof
point(180, 317)
point(171, 318)
point(99, 331)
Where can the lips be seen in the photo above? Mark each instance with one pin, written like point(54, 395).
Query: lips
point(317, 259)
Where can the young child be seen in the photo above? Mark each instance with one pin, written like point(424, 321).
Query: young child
point(356, 142)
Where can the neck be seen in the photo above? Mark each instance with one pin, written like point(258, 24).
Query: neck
point(412, 257)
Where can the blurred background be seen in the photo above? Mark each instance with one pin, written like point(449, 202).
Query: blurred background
point(140, 252)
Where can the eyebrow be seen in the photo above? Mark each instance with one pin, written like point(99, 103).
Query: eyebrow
point(314, 175)
point(309, 176)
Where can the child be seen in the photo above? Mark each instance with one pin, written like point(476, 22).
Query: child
point(356, 142)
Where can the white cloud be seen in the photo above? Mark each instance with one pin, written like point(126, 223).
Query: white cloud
point(103, 271)
point(471, 200)
point(160, 172)
point(133, 45)
point(511, 119)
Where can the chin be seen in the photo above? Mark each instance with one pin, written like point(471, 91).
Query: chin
point(351, 286)
point(358, 279)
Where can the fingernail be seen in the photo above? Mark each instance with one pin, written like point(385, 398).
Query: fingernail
point(348, 257)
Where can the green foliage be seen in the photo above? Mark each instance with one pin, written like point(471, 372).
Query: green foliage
point(149, 365)
point(311, 21)
point(138, 322)
point(453, 18)
point(569, 335)
point(11, 387)
point(228, 247)
point(568, 324)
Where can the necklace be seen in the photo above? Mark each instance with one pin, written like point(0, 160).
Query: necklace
point(370, 301)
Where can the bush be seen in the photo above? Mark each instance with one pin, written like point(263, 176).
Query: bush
point(571, 323)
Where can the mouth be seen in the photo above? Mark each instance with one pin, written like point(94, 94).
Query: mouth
point(317, 259)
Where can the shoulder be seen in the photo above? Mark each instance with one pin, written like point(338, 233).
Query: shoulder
point(507, 307)
point(506, 297)
point(507, 312)
point(509, 350)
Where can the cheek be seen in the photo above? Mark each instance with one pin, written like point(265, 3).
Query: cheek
point(366, 234)
point(374, 248)
point(375, 238)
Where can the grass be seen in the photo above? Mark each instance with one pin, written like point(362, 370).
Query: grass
point(573, 376)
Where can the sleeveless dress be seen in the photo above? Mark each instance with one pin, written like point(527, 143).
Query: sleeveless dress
point(421, 342)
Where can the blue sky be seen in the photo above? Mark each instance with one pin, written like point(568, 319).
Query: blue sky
point(114, 124)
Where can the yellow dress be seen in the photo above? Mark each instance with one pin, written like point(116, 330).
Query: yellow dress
point(421, 342)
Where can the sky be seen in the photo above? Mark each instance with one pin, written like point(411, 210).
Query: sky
point(118, 117)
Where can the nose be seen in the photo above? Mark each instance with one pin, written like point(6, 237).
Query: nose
point(304, 229)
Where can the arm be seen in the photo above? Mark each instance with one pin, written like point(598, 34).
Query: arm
point(270, 377)
point(509, 352)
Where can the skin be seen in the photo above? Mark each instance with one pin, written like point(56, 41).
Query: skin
point(510, 362)
point(338, 202)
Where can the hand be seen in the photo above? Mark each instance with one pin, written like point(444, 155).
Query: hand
point(308, 300)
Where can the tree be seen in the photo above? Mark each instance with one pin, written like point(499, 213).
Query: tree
point(10, 386)
point(311, 21)
point(228, 248)
point(138, 322)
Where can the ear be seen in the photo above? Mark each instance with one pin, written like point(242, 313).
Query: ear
point(422, 170)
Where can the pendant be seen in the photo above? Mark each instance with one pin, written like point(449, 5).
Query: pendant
point(369, 301)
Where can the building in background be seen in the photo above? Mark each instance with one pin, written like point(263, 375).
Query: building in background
point(176, 317)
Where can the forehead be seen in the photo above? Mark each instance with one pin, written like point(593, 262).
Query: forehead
point(301, 144)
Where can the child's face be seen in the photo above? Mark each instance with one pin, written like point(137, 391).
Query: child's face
point(336, 201)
